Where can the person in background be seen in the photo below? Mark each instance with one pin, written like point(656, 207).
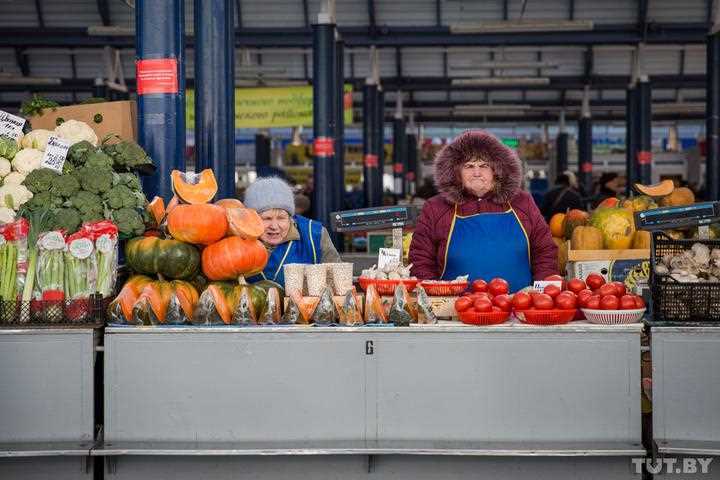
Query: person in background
point(302, 204)
point(482, 224)
point(561, 198)
point(609, 185)
point(289, 237)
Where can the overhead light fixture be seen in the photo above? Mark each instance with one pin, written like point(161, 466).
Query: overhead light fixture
point(500, 81)
point(20, 80)
point(110, 31)
point(515, 26)
point(505, 65)
point(678, 107)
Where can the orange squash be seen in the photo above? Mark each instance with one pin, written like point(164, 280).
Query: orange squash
point(163, 302)
point(230, 203)
point(245, 223)
point(661, 189)
point(174, 202)
point(574, 218)
point(156, 209)
point(121, 308)
point(678, 198)
point(562, 254)
point(609, 203)
point(587, 238)
point(194, 188)
point(200, 224)
point(556, 224)
point(233, 257)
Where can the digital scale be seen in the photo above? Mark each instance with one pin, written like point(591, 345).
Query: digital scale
point(376, 218)
point(668, 218)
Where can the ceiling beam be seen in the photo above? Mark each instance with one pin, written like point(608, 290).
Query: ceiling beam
point(619, 103)
point(687, 33)
point(40, 14)
point(104, 11)
point(238, 14)
point(642, 17)
point(598, 117)
point(372, 29)
point(505, 11)
point(571, 10)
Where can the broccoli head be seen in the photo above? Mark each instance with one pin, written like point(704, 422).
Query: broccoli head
point(87, 202)
point(91, 216)
point(127, 155)
point(44, 200)
point(99, 159)
point(129, 222)
point(67, 219)
point(79, 152)
point(65, 186)
point(40, 180)
point(120, 196)
point(130, 180)
point(94, 179)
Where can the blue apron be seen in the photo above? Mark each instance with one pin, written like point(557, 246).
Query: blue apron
point(489, 245)
point(305, 250)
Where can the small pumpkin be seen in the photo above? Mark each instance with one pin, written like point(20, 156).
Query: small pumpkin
point(574, 218)
point(678, 198)
point(557, 224)
point(230, 203)
point(245, 223)
point(661, 189)
point(587, 238)
point(639, 203)
point(233, 257)
point(156, 209)
point(617, 226)
point(161, 302)
point(121, 308)
point(220, 300)
point(194, 188)
point(562, 254)
point(609, 203)
point(167, 257)
point(641, 239)
point(199, 224)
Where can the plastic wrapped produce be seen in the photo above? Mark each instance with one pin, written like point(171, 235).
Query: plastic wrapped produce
point(120, 310)
point(165, 302)
point(349, 310)
point(401, 312)
point(271, 312)
point(426, 315)
point(244, 312)
point(216, 304)
point(326, 311)
point(374, 312)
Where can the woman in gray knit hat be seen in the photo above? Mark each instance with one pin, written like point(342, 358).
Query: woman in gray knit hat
point(289, 238)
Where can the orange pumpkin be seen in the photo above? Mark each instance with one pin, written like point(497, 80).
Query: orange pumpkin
point(230, 203)
point(121, 308)
point(245, 223)
point(165, 302)
point(200, 224)
point(194, 188)
point(233, 257)
point(557, 225)
point(174, 202)
point(156, 209)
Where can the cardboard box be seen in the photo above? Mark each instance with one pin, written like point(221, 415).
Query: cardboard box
point(633, 273)
point(114, 117)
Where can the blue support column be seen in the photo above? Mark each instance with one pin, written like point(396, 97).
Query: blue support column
point(380, 139)
point(160, 35)
point(585, 161)
point(712, 125)
point(631, 138)
point(412, 164)
point(371, 164)
point(324, 107)
point(644, 113)
point(340, 125)
point(399, 156)
point(215, 91)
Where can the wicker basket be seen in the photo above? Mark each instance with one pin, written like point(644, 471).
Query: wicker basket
point(613, 317)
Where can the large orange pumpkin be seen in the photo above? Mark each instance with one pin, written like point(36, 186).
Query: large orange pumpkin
point(245, 223)
point(233, 257)
point(557, 225)
point(200, 224)
point(194, 188)
point(230, 203)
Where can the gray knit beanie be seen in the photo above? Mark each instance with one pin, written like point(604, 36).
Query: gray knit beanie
point(270, 192)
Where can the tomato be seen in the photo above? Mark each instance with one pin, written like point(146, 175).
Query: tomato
point(595, 281)
point(477, 295)
point(466, 293)
point(521, 301)
point(479, 286)
point(593, 303)
point(609, 302)
point(483, 305)
point(463, 303)
point(552, 290)
point(583, 296)
point(565, 302)
point(620, 289)
point(576, 285)
point(498, 286)
point(543, 301)
point(497, 309)
point(607, 289)
point(503, 302)
point(639, 302)
point(554, 278)
point(627, 302)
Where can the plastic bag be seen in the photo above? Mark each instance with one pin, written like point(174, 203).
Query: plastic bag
point(13, 258)
point(349, 310)
point(165, 302)
point(244, 312)
point(325, 313)
point(120, 310)
point(292, 315)
point(401, 311)
point(425, 309)
point(104, 235)
point(80, 267)
point(216, 305)
point(374, 312)
point(271, 312)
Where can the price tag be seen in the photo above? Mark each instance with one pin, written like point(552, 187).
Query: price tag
point(52, 241)
point(104, 244)
point(389, 258)
point(55, 153)
point(11, 125)
point(81, 248)
point(539, 285)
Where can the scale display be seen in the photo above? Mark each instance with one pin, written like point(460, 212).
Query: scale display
point(375, 218)
point(676, 217)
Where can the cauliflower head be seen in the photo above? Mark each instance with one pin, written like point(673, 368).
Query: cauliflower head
point(5, 167)
point(74, 132)
point(36, 139)
point(14, 196)
point(7, 215)
point(27, 160)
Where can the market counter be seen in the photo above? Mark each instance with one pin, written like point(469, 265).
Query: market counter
point(46, 402)
point(477, 397)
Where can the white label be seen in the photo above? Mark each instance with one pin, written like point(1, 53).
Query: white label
point(52, 241)
point(11, 125)
point(81, 248)
point(55, 153)
point(389, 258)
point(539, 285)
point(104, 244)
point(2, 240)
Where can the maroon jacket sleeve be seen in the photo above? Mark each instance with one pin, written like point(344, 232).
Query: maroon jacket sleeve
point(423, 248)
point(543, 251)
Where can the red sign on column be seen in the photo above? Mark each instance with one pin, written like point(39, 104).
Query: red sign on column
point(398, 168)
point(586, 167)
point(324, 147)
point(157, 75)
point(644, 158)
point(410, 176)
point(371, 161)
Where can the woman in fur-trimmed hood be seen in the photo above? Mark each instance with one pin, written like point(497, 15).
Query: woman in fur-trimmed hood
point(482, 223)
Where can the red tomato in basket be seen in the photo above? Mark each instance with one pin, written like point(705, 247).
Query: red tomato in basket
point(607, 289)
point(593, 303)
point(498, 286)
point(609, 302)
point(463, 303)
point(627, 302)
point(543, 301)
point(552, 290)
point(583, 296)
point(566, 301)
point(483, 305)
point(639, 302)
point(497, 309)
point(595, 281)
point(620, 288)
point(503, 302)
point(576, 285)
point(521, 301)
point(479, 286)
point(554, 278)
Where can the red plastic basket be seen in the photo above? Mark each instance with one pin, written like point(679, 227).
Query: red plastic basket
point(386, 287)
point(444, 289)
point(483, 318)
point(546, 317)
